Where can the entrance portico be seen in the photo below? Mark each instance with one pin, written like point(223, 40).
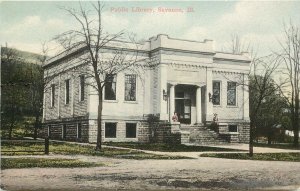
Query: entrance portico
point(185, 100)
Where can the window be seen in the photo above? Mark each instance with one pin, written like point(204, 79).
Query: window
point(81, 88)
point(52, 95)
point(110, 89)
point(130, 87)
point(49, 131)
point(130, 130)
point(67, 91)
point(64, 131)
point(232, 128)
point(231, 93)
point(216, 93)
point(79, 130)
point(110, 130)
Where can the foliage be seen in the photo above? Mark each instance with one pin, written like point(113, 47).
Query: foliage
point(278, 146)
point(9, 163)
point(168, 147)
point(269, 116)
point(289, 56)
point(294, 157)
point(19, 71)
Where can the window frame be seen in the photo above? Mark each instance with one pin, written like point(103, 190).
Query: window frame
point(67, 91)
point(115, 83)
point(49, 131)
point(235, 94)
point(126, 135)
point(220, 92)
point(105, 130)
point(135, 93)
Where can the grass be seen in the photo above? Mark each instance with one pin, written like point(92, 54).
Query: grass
point(294, 157)
point(169, 148)
point(278, 146)
point(9, 163)
point(76, 149)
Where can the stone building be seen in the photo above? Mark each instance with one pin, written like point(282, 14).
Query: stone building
point(201, 85)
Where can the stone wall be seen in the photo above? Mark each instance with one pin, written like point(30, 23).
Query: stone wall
point(56, 129)
point(241, 136)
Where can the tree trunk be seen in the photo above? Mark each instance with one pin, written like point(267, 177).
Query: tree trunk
point(296, 121)
point(251, 138)
point(296, 129)
point(12, 121)
point(36, 124)
point(99, 120)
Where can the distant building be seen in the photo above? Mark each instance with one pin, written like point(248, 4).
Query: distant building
point(190, 78)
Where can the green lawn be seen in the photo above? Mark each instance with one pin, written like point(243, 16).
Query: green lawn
point(76, 149)
point(295, 157)
point(9, 163)
point(169, 148)
point(277, 146)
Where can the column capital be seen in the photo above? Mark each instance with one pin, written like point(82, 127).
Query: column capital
point(173, 83)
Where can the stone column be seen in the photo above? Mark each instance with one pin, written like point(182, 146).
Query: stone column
point(209, 105)
point(172, 101)
point(198, 105)
point(163, 76)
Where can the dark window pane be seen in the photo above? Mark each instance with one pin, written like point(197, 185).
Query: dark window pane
point(130, 87)
point(52, 95)
point(79, 130)
point(64, 131)
point(67, 91)
point(110, 90)
point(231, 93)
point(232, 128)
point(130, 130)
point(179, 94)
point(82, 84)
point(110, 130)
point(216, 93)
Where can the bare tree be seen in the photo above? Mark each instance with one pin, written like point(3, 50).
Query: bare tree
point(261, 84)
point(92, 38)
point(290, 57)
point(261, 87)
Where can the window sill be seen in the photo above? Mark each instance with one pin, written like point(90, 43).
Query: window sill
point(131, 102)
point(230, 133)
point(217, 105)
point(232, 106)
point(110, 101)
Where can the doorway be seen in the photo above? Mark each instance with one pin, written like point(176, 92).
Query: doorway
point(183, 107)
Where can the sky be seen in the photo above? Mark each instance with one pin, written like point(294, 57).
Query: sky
point(26, 24)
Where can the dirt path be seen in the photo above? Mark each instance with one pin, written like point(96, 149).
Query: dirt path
point(191, 174)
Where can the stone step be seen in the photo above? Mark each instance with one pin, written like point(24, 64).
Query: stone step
point(200, 134)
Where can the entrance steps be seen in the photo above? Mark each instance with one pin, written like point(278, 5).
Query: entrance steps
point(200, 134)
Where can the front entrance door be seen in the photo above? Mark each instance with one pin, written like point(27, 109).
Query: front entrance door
point(183, 110)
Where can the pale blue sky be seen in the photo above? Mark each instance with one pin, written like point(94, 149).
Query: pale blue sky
point(24, 25)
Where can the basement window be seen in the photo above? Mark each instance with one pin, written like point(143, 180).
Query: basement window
point(64, 131)
point(130, 130)
point(110, 130)
point(79, 130)
point(232, 128)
